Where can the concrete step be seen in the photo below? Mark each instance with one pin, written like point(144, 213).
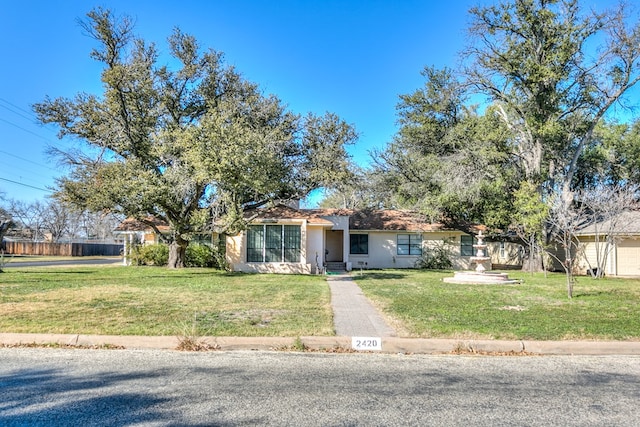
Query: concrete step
point(335, 266)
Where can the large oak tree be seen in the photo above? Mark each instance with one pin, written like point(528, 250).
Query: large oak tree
point(186, 144)
point(553, 69)
point(551, 72)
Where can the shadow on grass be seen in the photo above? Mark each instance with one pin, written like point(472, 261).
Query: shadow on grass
point(592, 294)
point(379, 275)
point(40, 272)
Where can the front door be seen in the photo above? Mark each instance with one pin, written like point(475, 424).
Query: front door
point(334, 248)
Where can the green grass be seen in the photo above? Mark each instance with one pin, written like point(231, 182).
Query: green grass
point(538, 309)
point(158, 301)
point(115, 300)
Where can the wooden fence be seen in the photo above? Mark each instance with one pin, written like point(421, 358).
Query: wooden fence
point(61, 249)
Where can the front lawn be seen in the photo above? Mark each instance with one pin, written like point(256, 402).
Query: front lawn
point(157, 301)
point(538, 309)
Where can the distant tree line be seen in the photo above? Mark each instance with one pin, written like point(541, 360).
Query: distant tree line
point(55, 222)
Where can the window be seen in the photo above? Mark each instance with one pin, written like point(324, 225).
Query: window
point(273, 243)
point(359, 244)
point(255, 243)
point(291, 243)
point(409, 244)
point(466, 245)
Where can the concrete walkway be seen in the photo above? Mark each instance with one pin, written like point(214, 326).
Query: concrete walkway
point(353, 313)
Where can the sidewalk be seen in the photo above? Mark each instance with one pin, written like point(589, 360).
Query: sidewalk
point(353, 313)
point(391, 345)
point(354, 316)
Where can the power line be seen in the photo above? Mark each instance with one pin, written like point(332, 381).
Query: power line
point(26, 130)
point(27, 160)
point(24, 174)
point(17, 113)
point(19, 108)
point(25, 185)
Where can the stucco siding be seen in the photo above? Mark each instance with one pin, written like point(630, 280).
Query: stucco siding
point(505, 253)
point(383, 250)
point(586, 256)
point(235, 249)
point(314, 238)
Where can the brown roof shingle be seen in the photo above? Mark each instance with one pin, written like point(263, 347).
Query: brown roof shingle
point(369, 219)
point(392, 220)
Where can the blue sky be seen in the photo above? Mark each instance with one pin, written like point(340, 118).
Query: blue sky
point(349, 57)
point(352, 58)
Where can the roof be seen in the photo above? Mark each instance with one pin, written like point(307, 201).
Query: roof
point(363, 220)
point(359, 220)
point(313, 216)
point(628, 225)
point(131, 225)
point(392, 220)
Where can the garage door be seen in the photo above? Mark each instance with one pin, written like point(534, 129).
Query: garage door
point(629, 258)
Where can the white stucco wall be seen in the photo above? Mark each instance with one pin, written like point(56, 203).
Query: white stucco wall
point(315, 251)
point(383, 250)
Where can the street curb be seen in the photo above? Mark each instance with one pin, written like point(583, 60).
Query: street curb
point(333, 344)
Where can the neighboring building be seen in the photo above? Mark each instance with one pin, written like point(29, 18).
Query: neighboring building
point(135, 231)
point(622, 257)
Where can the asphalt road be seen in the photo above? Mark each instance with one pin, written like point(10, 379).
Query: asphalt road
point(41, 387)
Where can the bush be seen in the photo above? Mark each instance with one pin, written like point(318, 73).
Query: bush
point(156, 254)
point(436, 258)
point(198, 255)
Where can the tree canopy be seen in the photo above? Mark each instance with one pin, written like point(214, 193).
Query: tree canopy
point(546, 74)
point(186, 144)
point(553, 69)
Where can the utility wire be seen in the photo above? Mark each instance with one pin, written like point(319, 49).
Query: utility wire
point(26, 130)
point(19, 108)
point(27, 160)
point(17, 113)
point(25, 185)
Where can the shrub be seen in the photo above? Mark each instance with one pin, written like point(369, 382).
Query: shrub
point(156, 254)
point(199, 255)
point(435, 258)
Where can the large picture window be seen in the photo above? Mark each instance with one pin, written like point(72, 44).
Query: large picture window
point(466, 245)
point(273, 243)
point(359, 244)
point(409, 244)
point(255, 243)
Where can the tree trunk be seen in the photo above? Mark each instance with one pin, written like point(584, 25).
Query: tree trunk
point(177, 251)
point(569, 285)
point(532, 259)
point(568, 268)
